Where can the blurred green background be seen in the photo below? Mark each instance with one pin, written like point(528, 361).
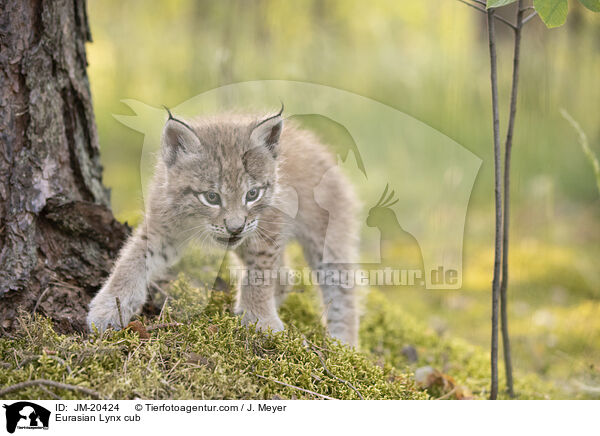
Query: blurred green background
point(428, 59)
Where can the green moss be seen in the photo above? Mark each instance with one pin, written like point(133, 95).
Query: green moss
point(212, 356)
point(386, 329)
point(209, 356)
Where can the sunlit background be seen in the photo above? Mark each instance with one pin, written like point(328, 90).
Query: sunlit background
point(428, 59)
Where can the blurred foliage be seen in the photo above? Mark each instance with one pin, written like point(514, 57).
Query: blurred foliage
point(585, 146)
point(427, 59)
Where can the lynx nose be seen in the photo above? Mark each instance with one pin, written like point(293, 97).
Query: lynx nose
point(235, 226)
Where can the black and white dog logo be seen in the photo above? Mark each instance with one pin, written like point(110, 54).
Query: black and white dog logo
point(26, 415)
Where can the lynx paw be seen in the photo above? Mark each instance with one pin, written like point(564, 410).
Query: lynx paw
point(264, 324)
point(104, 313)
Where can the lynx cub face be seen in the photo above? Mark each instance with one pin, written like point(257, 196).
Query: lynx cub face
point(222, 176)
point(227, 181)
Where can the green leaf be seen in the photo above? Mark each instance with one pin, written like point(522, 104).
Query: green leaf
point(592, 5)
point(552, 12)
point(498, 3)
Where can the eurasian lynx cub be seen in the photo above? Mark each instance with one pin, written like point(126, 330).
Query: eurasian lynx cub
point(222, 179)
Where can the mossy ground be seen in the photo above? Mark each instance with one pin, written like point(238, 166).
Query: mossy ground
point(210, 355)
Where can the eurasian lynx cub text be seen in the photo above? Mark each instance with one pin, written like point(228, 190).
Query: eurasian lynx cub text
point(222, 179)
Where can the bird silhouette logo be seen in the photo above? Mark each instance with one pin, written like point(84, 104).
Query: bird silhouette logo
point(408, 251)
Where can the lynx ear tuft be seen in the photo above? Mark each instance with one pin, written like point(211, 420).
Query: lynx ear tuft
point(177, 138)
point(267, 132)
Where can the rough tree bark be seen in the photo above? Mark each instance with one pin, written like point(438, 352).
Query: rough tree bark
point(58, 236)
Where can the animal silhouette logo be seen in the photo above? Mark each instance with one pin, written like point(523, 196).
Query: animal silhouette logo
point(433, 176)
point(398, 247)
point(25, 414)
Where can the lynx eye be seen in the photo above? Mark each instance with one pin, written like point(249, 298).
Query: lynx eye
point(252, 195)
point(211, 198)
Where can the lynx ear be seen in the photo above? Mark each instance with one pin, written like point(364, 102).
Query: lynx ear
point(267, 132)
point(177, 138)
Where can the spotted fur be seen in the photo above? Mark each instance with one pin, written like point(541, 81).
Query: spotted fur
point(231, 155)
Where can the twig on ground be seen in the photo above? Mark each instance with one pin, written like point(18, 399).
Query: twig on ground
point(3, 332)
point(163, 326)
point(447, 394)
point(294, 387)
point(23, 325)
point(313, 347)
point(49, 392)
point(51, 383)
point(162, 309)
point(587, 388)
point(138, 396)
point(120, 313)
point(56, 281)
point(32, 358)
point(39, 300)
point(159, 289)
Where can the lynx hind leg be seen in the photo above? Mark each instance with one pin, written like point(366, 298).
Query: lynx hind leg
point(339, 300)
point(337, 288)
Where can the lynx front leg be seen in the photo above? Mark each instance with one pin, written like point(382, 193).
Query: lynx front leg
point(257, 294)
point(144, 257)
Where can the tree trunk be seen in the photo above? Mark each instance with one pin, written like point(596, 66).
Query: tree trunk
point(58, 237)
